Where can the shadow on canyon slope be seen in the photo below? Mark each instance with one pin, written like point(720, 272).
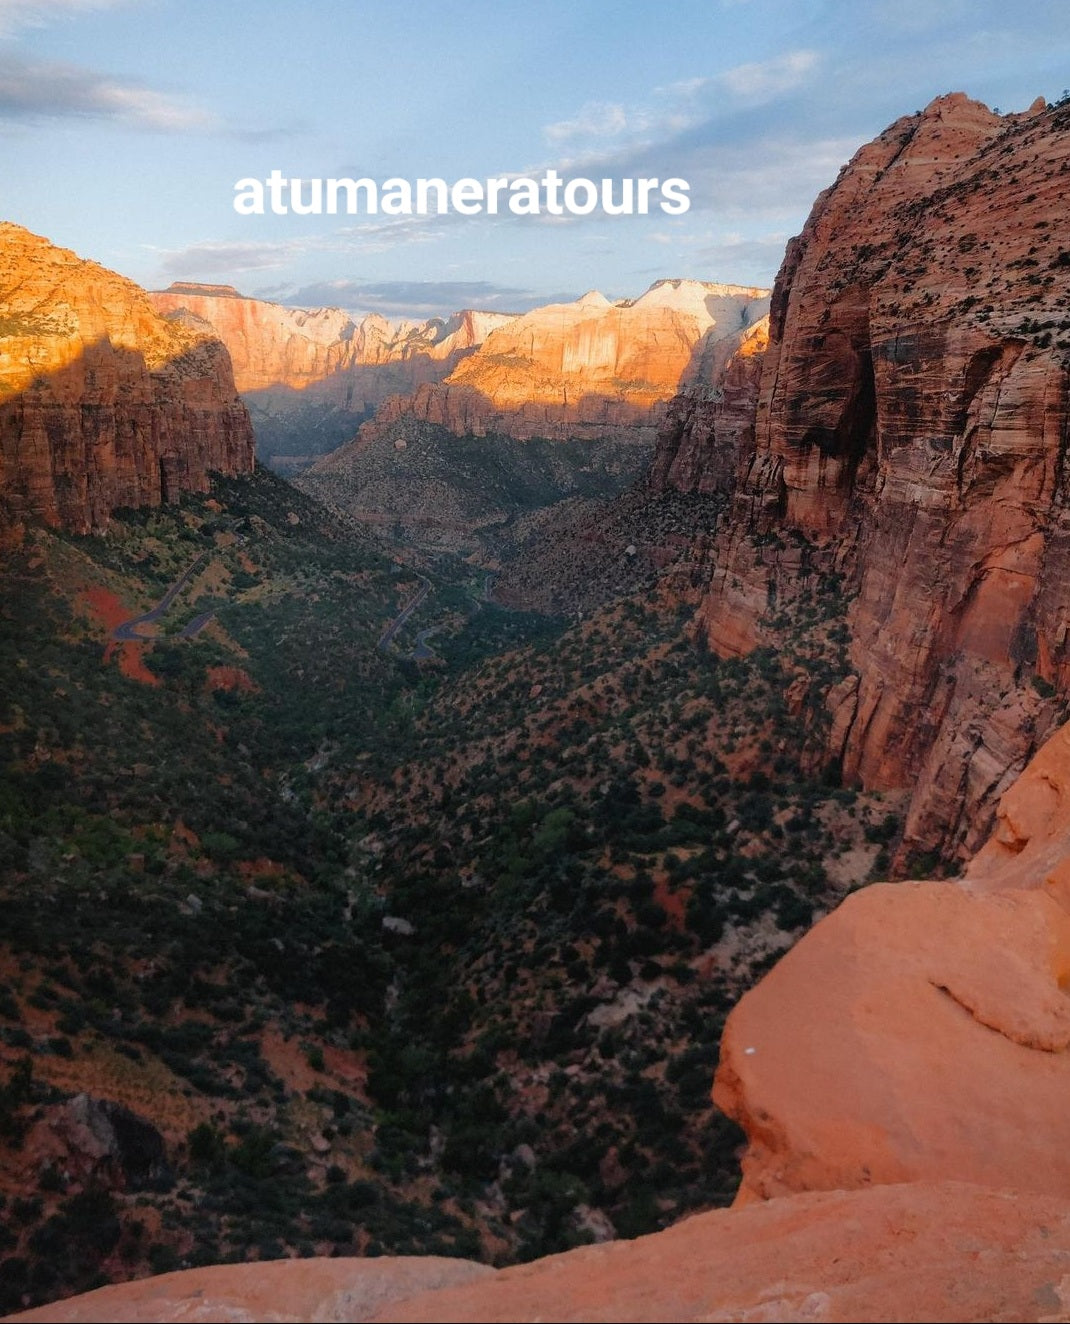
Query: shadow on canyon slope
point(104, 431)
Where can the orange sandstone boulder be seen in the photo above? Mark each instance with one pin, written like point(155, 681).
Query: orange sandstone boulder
point(927, 1251)
point(275, 1292)
point(920, 1032)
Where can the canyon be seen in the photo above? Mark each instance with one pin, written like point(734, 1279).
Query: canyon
point(415, 954)
point(563, 402)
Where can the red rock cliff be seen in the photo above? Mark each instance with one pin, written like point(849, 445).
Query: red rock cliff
point(912, 426)
point(102, 403)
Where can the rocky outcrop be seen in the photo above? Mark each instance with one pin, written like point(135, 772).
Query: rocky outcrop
point(104, 1144)
point(927, 1252)
point(103, 404)
point(282, 1290)
point(910, 435)
point(589, 369)
point(921, 1031)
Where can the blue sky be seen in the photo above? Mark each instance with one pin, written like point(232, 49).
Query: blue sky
point(125, 123)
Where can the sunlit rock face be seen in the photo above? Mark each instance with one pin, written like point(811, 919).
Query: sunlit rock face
point(103, 403)
point(591, 368)
point(311, 377)
point(324, 351)
point(911, 428)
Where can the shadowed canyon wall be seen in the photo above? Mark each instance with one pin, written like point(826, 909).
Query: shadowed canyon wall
point(103, 404)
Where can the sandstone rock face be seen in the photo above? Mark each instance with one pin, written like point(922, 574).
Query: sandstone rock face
point(1030, 846)
point(323, 351)
point(102, 403)
point(900, 1252)
point(592, 368)
point(273, 1293)
point(921, 1031)
point(929, 1251)
point(709, 427)
point(910, 434)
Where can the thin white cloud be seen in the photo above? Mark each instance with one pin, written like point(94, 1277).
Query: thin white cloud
point(15, 14)
point(596, 119)
point(764, 80)
point(40, 90)
point(212, 257)
point(600, 126)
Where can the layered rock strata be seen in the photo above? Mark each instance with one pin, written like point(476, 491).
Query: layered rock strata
point(708, 429)
point(590, 369)
point(910, 434)
point(103, 403)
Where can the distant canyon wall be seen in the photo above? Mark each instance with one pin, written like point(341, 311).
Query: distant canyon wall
point(324, 351)
point(590, 369)
point(310, 377)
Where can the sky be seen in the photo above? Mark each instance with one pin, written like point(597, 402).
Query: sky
point(124, 125)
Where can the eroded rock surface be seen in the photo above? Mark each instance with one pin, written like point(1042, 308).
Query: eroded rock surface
point(278, 1292)
point(930, 1251)
point(917, 1033)
point(910, 435)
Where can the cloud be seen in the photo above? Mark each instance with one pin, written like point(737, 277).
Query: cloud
point(412, 298)
point(596, 119)
point(767, 79)
point(221, 257)
point(15, 14)
point(605, 126)
point(38, 89)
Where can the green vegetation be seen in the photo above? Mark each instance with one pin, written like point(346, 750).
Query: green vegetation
point(398, 956)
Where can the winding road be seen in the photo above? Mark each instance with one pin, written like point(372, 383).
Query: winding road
point(129, 631)
point(387, 637)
